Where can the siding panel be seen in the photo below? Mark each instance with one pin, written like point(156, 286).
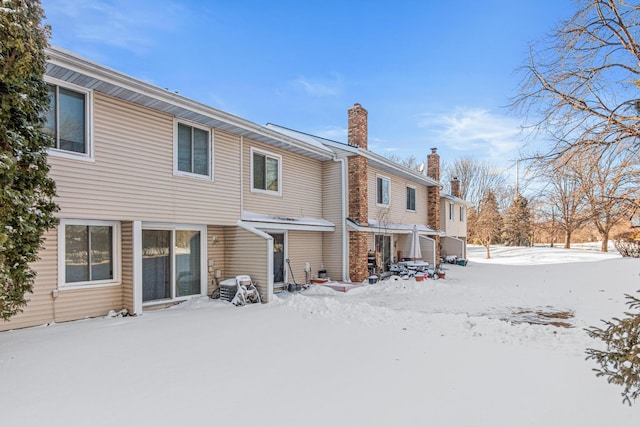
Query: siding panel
point(215, 252)
point(127, 265)
point(397, 212)
point(132, 175)
point(303, 247)
point(247, 253)
point(40, 309)
point(301, 185)
point(332, 242)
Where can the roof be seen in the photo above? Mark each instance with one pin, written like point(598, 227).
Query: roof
point(292, 223)
point(374, 226)
point(69, 67)
point(345, 150)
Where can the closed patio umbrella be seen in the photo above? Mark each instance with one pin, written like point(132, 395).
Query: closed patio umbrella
point(415, 252)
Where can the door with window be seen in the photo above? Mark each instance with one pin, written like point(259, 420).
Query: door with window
point(278, 257)
point(171, 263)
point(383, 251)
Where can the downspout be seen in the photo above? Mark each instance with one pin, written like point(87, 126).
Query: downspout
point(343, 217)
point(269, 240)
point(241, 175)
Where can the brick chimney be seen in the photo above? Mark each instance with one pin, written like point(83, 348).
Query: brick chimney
point(433, 195)
point(455, 187)
point(358, 194)
point(433, 165)
point(358, 128)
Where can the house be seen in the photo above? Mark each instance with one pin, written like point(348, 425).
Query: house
point(162, 197)
point(385, 200)
point(453, 222)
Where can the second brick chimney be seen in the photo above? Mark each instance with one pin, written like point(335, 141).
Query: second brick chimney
point(455, 187)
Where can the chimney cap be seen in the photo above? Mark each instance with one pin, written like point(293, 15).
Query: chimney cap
point(455, 178)
point(433, 150)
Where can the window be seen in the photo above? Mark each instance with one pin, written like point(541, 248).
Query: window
point(451, 211)
point(382, 190)
point(265, 171)
point(461, 213)
point(67, 120)
point(411, 199)
point(193, 151)
point(88, 253)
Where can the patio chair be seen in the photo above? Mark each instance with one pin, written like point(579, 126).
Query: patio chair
point(247, 292)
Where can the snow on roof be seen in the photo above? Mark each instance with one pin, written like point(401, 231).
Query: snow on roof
point(309, 221)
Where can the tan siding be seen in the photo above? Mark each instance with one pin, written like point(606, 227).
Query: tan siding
point(303, 247)
point(301, 185)
point(215, 252)
point(91, 302)
point(453, 227)
point(127, 266)
point(247, 253)
point(39, 309)
point(332, 242)
point(132, 175)
point(397, 212)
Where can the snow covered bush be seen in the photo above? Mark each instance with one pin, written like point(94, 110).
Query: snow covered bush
point(620, 362)
point(26, 191)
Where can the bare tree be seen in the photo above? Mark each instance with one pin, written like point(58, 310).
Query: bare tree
point(608, 182)
point(476, 178)
point(580, 85)
point(410, 162)
point(565, 197)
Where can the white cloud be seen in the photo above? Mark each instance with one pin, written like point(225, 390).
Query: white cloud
point(130, 25)
point(474, 130)
point(320, 87)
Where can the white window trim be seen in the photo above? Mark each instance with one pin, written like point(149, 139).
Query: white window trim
point(88, 156)
point(415, 198)
point(452, 213)
point(117, 251)
point(389, 180)
point(204, 278)
point(176, 171)
point(462, 214)
point(280, 166)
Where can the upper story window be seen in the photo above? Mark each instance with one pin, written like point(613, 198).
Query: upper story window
point(461, 213)
point(266, 171)
point(193, 151)
point(88, 253)
point(382, 190)
point(67, 120)
point(411, 199)
point(451, 211)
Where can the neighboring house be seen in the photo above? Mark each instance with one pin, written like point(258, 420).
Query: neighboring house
point(453, 221)
point(383, 201)
point(162, 196)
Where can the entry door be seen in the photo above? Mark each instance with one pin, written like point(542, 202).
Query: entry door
point(278, 257)
point(383, 251)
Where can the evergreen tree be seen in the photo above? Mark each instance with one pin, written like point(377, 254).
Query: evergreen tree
point(26, 191)
point(517, 223)
point(620, 362)
point(488, 225)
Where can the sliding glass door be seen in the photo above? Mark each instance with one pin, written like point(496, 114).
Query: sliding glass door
point(171, 263)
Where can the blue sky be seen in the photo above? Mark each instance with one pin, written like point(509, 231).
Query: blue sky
point(430, 73)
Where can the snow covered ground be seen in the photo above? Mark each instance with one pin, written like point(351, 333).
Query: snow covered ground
point(464, 351)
